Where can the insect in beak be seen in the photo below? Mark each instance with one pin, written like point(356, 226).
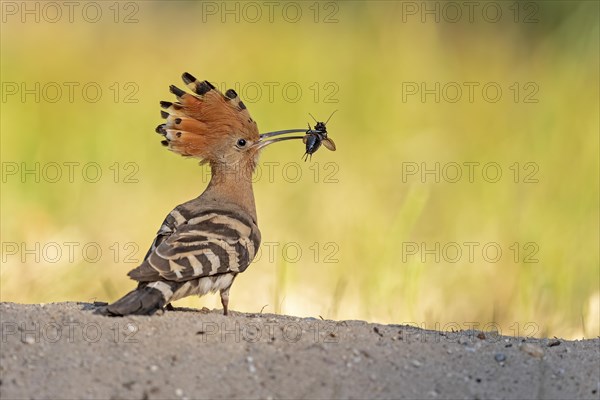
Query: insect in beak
point(312, 138)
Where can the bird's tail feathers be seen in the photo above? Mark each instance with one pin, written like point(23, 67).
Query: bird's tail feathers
point(146, 299)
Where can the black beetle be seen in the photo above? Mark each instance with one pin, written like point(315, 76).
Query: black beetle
point(314, 137)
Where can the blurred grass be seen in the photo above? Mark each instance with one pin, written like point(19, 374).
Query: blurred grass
point(370, 211)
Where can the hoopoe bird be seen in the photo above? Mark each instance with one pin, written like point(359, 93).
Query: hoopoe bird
point(203, 244)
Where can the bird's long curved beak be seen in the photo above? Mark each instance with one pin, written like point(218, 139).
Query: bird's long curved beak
point(265, 141)
point(277, 133)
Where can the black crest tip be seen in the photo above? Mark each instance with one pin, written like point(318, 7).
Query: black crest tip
point(176, 91)
point(230, 94)
point(188, 78)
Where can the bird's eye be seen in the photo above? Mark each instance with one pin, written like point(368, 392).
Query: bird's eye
point(241, 142)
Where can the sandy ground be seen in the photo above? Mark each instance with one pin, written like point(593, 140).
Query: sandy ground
point(64, 351)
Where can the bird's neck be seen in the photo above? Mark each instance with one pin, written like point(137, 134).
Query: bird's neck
point(231, 185)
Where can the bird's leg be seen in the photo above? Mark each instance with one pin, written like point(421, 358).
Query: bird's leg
point(225, 299)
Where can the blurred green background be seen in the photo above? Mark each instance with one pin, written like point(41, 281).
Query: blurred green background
point(360, 233)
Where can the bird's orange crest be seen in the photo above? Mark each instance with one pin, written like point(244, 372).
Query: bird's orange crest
point(197, 122)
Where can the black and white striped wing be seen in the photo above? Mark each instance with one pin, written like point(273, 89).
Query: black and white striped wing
point(212, 243)
point(169, 225)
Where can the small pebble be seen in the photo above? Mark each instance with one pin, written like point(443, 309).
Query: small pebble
point(416, 363)
point(178, 392)
point(532, 349)
point(251, 366)
point(499, 357)
point(154, 368)
point(29, 340)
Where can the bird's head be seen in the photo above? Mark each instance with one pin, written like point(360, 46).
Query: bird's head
point(214, 127)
